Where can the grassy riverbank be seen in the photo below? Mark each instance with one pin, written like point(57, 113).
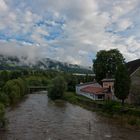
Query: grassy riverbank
point(129, 115)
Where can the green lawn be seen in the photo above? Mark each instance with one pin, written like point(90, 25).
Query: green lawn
point(131, 114)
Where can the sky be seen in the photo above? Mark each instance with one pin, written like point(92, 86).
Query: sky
point(71, 31)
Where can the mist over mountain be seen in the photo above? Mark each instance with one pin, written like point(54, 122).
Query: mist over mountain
point(14, 62)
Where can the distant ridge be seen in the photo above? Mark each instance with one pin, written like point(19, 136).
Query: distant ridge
point(15, 63)
point(133, 65)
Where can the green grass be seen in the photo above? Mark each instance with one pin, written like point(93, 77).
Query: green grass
point(129, 113)
point(79, 100)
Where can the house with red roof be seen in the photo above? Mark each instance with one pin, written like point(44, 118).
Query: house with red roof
point(95, 91)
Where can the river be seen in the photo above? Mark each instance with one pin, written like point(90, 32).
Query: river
point(37, 118)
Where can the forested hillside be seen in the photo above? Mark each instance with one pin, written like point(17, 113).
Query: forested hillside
point(14, 63)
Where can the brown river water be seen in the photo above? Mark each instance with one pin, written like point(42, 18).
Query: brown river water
point(37, 118)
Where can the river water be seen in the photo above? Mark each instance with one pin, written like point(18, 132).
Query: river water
point(38, 118)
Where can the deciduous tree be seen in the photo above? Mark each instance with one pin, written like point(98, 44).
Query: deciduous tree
point(106, 63)
point(122, 83)
point(56, 88)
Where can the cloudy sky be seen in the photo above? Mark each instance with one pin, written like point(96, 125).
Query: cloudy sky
point(69, 30)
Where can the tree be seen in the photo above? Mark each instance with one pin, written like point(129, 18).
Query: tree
point(2, 116)
point(12, 91)
point(15, 89)
point(4, 98)
point(56, 88)
point(122, 83)
point(4, 76)
point(106, 63)
point(71, 81)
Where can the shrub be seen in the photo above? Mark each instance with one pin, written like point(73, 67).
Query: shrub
point(132, 121)
point(22, 86)
point(4, 99)
point(56, 88)
point(112, 107)
point(2, 118)
point(14, 89)
point(34, 81)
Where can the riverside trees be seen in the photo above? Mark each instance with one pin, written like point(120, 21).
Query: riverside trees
point(10, 93)
point(122, 83)
point(15, 89)
point(57, 88)
point(106, 63)
point(111, 63)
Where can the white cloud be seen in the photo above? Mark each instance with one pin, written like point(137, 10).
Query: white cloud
point(121, 8)
point(3, 6)
point(21, 49)
point(124, 24)
point(84, 31)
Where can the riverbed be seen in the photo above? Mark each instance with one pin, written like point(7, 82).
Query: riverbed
point(38, 118)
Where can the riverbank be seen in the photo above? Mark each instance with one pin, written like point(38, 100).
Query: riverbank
point(127, 115)
point(39, 118)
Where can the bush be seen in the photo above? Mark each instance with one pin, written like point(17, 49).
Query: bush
point(13, 92)
point(15, 89)
point(2, 118)
point(56, 88)
point(132, 121)
point(112, 107)
point(22, 86)
point(34, 81)
point(4, 99)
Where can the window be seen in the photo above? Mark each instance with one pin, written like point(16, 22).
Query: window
point(100, 96)
point(91, 95)
point(105, 84)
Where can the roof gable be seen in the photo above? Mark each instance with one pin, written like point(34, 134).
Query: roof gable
point(132, 66)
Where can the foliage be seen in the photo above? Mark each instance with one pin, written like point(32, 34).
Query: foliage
point(71, 82)
point(15, 74)
point(4, 99)
point(106, 63)
point(34, 81)
point(122, 83)
point(4, 76)
point(15, 89)
point(112, 107)
point(37, 80)
point(2, 118)
point(57, 88)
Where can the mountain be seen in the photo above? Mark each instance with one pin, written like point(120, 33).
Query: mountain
point(13, 62)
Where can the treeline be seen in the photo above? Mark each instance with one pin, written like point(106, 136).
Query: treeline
point(14, 85)
point(13, 90)
point(10, 93)
point(65, 82)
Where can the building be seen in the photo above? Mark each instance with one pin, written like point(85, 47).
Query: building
point(134, 72)
point(95, 91)
point(109, 84)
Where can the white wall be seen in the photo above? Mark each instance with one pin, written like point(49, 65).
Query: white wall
point(88, 95)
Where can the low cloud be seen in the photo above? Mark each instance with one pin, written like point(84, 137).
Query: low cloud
point(71, 31)
point(21, 50)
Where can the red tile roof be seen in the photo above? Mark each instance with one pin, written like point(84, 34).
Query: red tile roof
point(108, 80)
point(93, 90)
